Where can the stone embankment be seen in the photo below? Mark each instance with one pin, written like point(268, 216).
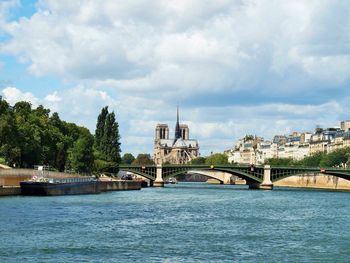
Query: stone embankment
point(10, 181)
point(10, 190)
point(321, 181)
point(12, 177)
point(317, 181)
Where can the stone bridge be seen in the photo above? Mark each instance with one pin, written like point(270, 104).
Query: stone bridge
point(257, 177)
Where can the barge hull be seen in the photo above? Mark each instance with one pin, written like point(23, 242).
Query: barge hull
point(48, 189)
point(106, 186)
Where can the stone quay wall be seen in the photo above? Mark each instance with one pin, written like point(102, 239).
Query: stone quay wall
point(12, 177)
point(14, 190)
point(318, 180)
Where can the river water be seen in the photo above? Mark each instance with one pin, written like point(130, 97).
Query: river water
point(187, 222)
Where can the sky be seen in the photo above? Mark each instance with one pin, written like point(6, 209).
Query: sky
point(237, 67)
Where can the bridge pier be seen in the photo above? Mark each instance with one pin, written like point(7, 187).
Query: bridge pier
point(228, 178)
point(266, 183)
point(159, 182)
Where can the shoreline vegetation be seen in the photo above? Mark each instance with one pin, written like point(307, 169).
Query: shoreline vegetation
point(339, 158)
point(31, 136)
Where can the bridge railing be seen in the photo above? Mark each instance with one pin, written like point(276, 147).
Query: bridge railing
point(311, 168)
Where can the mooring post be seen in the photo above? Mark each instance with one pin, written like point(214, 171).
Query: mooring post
point(159, 182)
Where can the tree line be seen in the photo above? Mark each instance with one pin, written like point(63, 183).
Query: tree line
point(337, 158)
point(145, 159)
point(32, 136)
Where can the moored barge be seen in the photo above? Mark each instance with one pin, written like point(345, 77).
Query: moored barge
point(60, 186)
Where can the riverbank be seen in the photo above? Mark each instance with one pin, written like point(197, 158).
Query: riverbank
point(10, 181)
point(103, 186)
point(319, 181)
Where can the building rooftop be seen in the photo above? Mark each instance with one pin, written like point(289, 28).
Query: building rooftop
point(178, 143)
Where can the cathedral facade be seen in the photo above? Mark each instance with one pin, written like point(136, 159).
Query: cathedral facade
point(179, 150)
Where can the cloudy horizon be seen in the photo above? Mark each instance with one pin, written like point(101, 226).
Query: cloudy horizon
point(239, 67)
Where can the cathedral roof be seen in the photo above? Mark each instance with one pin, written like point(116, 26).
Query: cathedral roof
point(179, 143)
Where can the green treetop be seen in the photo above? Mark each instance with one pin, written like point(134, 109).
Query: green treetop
point(143, 159)
point(128, 158)
point(81, 157)
point(217, 158)
point(107, 141)
point(30, 136)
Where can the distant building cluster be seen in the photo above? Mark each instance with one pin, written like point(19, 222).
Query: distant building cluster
point(178, 150)
point(296, 146)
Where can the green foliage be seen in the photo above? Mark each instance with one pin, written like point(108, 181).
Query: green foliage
point(31, 136)
point(313, 160)
point(143, 159)
point(107, 138)
point(128, 158)
point(198, 160)
point(217, 158)
point(101, 165)
point(9, 134)
point(81, 157)
point(338, 157)
point(280, 161)
point(100, 127)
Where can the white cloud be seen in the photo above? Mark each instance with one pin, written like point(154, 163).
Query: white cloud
point(244, 66)
point(13, 95)
point(216, 128)
point(53, 97)
point(5, 7)
point(182, 45)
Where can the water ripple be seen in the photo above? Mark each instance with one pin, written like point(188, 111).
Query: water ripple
point(182, 223)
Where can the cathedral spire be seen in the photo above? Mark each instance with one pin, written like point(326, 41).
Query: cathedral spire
point(177, 127)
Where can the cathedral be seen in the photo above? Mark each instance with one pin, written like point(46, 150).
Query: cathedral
point(179, 150)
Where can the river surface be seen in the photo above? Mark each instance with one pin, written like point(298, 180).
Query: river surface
point(187, 222)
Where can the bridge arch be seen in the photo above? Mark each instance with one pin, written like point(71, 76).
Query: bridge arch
point(146, 172)
point(244, 172)
point(206, 173)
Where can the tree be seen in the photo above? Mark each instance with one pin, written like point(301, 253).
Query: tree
point(313, 160)
point(217, 158)
point(143, 159)
point(128, 158)
point(198, 160)
point(24, 108)
point(280, 161)
point(9, 149)
point(100, 128)
point(81, 157)
point(338, 157)
point(31, 136)
point(107, 138)
point(111, 139)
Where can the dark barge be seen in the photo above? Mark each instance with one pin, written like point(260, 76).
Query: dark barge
point(61, 186)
